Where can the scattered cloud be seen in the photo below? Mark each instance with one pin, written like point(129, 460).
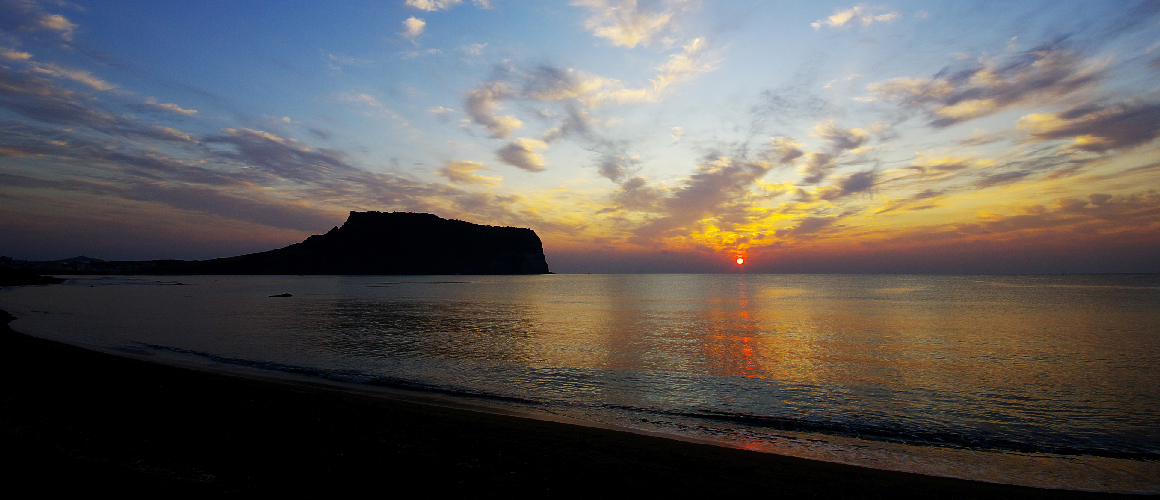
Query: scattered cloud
point(837, 141)
point(806, 226)
point(694, 60)
point(625, 23)
point(25, 16)
point(614, 166)
point(677, 133)
point(463, 172)
point(412, 27)
point(858, 182)
point(172, 108)
point(436, 5)
point(432, 5)
point(481, 106)
point(1097, 128)
point(14, 55)
point(844, 18)
point(285, 158)
point(72, 74)
point(475, 49)
point(1037, 76)
point(521, 153)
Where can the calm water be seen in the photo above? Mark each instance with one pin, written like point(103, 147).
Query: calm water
point(1039, 380)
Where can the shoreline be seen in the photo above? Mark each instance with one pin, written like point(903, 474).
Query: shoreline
point(82, 420)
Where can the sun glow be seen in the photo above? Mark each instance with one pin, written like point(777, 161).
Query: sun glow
point(740, 260)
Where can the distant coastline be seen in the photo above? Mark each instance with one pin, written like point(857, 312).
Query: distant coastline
point(368, 243)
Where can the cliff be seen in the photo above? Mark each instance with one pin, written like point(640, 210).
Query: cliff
point(391, 243)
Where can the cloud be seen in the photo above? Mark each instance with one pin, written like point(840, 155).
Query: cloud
point(111, 157)
point(694, 60)
point(151, 102)
point(1040, 75)
point(25, 16)
point(475, 49)
point(926, 194)
point(837, 141)
point(1001, 178)
point(282, 157)
point(626, 24)
point(1100, 213)
point(481, 106)
point(436, 5)
point(807, 226)
point(463, 172)
point(858, 182)
point(27, 94)
point(719, 189)
point(521, 153)
point(72, 74)
point(439, 110)
point(678, 132)
point(614, 164)
point(432, 5)
point(784, 150)
point(14, 55)
point(636, 195)
point(412, 27)
point(576, 92)
point(1097, 129)
point(867, 15)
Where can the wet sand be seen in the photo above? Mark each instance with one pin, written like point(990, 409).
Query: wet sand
point(79, 421)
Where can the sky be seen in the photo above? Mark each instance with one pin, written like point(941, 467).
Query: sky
point(631, 135)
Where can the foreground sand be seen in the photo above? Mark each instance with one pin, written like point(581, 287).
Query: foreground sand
point(79, 421)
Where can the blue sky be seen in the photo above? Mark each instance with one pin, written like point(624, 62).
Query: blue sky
point(633, 136)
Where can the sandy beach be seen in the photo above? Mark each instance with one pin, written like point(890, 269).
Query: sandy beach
point(75, 420)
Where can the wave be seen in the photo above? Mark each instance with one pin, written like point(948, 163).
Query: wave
point(894, 432)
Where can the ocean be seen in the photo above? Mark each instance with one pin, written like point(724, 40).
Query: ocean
point(1049, 381)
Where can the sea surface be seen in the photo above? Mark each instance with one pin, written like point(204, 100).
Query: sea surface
point(1050, 381)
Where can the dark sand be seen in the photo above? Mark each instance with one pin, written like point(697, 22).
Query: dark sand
point(78, 421)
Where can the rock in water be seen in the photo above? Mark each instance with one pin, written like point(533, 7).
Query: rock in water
point(395, 243)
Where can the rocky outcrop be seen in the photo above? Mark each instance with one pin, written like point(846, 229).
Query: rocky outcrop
point(392, 243)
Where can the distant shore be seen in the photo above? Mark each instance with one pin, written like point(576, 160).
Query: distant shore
point(76, 420)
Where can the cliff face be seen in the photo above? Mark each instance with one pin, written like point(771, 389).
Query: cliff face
point(397, 243)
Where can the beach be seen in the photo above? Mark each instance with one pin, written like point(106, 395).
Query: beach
point(75, 420)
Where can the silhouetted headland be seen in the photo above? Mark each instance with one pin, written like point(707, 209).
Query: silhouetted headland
point(19, 277)
point(368, 243)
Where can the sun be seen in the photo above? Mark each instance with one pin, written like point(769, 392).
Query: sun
point(740, 260)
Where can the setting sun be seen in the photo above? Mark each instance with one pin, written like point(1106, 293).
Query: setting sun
point(740, 260)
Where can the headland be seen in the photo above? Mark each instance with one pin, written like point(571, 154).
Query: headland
point(368, 243)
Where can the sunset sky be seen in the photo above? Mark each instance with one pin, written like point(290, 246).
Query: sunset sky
point(632, 136)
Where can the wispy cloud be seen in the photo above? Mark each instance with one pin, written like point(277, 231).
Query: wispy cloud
point(1041, 75)
point(626, 24)
point(1097, 128)
point(72, 74)
point(26, 16)
point(152, 102)
point(436, 5)
point(283, 157)
point(464, 172)
point(475, 49)
point(482, 104)
point(867, 15)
